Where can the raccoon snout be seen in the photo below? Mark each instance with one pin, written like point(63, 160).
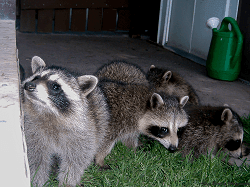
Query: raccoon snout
point(172, 148)
point(29, 86)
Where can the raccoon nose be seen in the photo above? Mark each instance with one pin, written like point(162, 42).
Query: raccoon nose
point(172, 148)
point(29, 86)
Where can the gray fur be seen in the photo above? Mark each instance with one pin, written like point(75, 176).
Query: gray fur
point(171, 83)
point(134, 108)
point(122, 71)
point(211, 128)
point(100, 111)
point(58, 123)
point(162, 79)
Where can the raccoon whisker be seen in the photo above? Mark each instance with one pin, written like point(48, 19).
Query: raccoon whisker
point(32, 98)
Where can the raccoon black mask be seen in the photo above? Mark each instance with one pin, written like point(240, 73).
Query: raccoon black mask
point(57, 96)
point(233, 145)
point(159, 132)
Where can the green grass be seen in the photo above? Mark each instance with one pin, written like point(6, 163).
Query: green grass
point(153, 165)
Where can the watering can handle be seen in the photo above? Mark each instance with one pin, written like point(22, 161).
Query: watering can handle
point(236, 30)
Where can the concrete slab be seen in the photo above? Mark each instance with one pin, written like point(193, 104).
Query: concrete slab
point(239, 162)
point(87, 53)
point(13, 158)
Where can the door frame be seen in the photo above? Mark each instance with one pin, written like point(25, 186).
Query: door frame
point(165, 18)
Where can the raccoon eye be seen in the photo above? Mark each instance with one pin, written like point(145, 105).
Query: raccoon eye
point(180, 131)
point(233, 145)
point(36, 77)
point(159, 132)
point(163, 132)
point(164, 129)
point(56, 87)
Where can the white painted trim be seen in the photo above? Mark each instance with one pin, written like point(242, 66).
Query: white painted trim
point(237, 9)
point(164, 21)
point(160, 22)
point(192, 29)
point(227, 8)
point(168, 17)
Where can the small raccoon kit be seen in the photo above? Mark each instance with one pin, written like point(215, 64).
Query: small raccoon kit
point(171, 83)
point(211, 129)
point(58, 123)
point(136, 109)
point(122, 71)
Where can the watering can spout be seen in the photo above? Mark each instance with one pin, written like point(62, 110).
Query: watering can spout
point(225, 51)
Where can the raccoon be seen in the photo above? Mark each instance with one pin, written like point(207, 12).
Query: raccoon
point(171, 83)
point(122, 71)
point(136, 109)
point(58, 123)
point(211, 129)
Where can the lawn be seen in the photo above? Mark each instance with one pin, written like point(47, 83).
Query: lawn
point(153, 165)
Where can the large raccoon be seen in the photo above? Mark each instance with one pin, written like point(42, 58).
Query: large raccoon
point(58, 123)
point(171, 83)
point(211, 129)
point(122, 71)
point(135, 109)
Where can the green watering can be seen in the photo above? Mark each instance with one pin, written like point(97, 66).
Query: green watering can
point(224, 57)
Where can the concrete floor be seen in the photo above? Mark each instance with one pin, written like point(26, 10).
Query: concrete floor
point(88, 52)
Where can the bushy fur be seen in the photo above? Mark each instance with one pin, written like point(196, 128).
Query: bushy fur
point(58, 123)
point(211, 129)
point(162, 79)
point(100, 111)
point(135, 109)
point(122, 71)
point(171, 83)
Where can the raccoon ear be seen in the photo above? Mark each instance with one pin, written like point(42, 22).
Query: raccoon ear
point(167, 76)
point(151, 67)
point(226, 115)
point(87, 83)
point(156, 101)
point(183, 101)
point(37, 63)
